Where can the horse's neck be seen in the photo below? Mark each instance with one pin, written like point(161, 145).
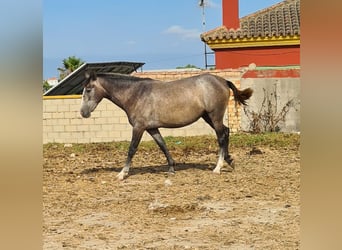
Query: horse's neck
point(118, 93)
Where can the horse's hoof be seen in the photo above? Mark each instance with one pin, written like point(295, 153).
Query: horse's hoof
point(216, 171)
point(231, 163)
point(171, 170)
point(121, 176)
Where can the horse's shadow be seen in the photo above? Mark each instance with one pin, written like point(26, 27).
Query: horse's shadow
point(158, 169)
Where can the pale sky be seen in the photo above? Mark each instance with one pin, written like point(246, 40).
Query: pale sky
point(162, 34)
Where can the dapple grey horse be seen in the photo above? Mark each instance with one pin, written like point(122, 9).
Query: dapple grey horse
point(151, 104)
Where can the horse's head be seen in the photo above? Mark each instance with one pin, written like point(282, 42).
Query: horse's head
point(92, 94)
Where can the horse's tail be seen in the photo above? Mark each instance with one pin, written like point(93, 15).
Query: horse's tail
point(240, 96)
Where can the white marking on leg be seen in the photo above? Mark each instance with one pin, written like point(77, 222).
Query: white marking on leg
point(123, 173)
point(219, 165)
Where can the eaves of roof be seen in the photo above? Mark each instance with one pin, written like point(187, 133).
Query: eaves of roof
point(72, 84)
point(278, 24)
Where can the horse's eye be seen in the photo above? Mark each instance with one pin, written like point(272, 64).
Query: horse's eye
point(88, 90)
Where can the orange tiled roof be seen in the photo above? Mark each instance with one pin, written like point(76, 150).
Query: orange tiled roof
point(281, 19)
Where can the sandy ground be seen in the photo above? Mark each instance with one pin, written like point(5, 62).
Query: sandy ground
point(256, 206)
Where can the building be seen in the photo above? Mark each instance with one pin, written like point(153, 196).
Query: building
point(52, 81)
point(269, 37)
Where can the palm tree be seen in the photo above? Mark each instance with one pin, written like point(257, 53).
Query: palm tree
point(69, 65)
point(46, 86)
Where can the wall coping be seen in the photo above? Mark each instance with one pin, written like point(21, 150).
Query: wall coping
point(272, 73)
point(62, 97)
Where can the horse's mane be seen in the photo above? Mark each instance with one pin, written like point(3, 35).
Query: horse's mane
point(117, 76)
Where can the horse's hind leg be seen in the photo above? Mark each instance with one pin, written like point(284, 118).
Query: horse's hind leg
point(136, 137)
point(222, 133)
point(161, 143)
point(224, 140)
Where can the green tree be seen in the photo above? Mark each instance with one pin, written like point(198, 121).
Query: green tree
point(46, 86)
point(70, 64)
point(188, 66)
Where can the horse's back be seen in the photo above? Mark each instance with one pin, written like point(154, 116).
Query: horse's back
point(203, 91)
point(199, 82)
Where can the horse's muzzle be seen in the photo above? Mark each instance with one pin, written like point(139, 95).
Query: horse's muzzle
point(85, 114)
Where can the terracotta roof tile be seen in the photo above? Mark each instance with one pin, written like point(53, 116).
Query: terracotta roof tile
point(281, 19)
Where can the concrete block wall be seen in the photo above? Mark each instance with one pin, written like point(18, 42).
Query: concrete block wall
point(170, 75)
point(63, 123)
point(285, 83)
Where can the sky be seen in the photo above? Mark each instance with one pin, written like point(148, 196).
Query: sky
point(161, 34)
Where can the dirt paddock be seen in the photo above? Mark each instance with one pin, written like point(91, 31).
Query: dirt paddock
point(255, 206)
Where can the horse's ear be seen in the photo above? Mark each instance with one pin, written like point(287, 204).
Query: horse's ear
point(90, 75)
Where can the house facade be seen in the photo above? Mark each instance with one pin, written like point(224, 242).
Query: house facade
point(269, 37)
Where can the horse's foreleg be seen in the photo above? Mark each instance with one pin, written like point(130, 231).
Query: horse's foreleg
point(136, 137)
point(161, 143)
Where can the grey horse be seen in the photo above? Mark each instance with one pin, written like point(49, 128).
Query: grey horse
point(151, 104)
